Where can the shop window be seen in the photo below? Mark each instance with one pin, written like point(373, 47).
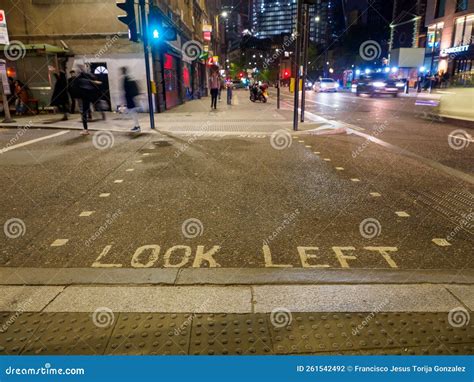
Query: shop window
point(461, 5)
point(463, 34)
point(440, 8)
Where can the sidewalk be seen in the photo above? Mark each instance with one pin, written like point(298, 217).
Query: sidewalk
point(192, 117)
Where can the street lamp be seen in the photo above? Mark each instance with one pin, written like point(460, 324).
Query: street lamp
point(224, 14)
point(317, 19)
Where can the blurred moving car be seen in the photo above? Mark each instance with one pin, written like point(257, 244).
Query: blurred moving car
point(376, 84)
point(326, 85)
point(238, 84)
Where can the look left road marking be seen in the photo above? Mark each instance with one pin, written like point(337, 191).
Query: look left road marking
point(4, 150)
point(86, 213)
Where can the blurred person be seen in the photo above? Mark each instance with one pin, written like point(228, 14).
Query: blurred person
point(228, 86)
point(60, 97)
point(131, 91)
point(72, 77)
point(214, 85)
point(21, 97)
point(85, 87)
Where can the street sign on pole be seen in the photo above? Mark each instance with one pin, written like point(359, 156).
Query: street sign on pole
point(3, 29)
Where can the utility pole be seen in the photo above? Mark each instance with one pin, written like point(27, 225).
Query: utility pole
point(305, 58)
point(279, 82)
point(297, 63)
point(144, 34)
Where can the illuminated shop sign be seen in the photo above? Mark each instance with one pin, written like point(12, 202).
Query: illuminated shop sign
point(455, 49)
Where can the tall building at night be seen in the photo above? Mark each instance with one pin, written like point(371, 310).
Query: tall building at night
point(275, 17)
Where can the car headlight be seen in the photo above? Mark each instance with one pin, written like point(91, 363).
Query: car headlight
point(400, 84)
point(336, 85)
point(310, 84)
point(378, 84)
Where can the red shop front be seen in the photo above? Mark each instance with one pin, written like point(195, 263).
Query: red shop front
point(171, 75)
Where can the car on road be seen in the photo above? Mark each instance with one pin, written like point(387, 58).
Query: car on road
point(326, 85)
point(375, 85)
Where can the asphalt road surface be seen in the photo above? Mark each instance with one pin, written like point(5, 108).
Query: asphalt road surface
point(241, 201)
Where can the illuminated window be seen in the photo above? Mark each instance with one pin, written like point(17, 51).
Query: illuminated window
point(101, 70)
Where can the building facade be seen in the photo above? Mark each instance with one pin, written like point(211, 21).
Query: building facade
point(449, 46)
point(61, 34)
point(278, 17)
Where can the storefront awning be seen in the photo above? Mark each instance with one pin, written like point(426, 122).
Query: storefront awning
point(44, 48)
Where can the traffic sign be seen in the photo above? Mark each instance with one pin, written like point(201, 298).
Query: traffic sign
point(3, 29)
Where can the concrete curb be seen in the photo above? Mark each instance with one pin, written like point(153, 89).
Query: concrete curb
point(227, 276)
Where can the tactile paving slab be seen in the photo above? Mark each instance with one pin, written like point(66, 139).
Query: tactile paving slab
point(68, 333)
point(146, 333)
point(16, 329)
point(381, 332)
point(302, 333)
point(230, 334)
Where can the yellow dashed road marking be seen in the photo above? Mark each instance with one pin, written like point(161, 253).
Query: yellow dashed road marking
point(59, 242)
point(441, 242)
point(86, 213)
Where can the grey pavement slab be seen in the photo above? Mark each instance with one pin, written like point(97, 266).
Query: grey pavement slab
point(27, 298)
point(350, 298)
point(154, 299)
point(465, 293)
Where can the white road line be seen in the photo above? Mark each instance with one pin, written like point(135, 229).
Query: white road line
point(23, 144)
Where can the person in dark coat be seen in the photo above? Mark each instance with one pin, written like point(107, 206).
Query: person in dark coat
point(60, 97)
point(131, 91)
point(72, 77)
point(85, 88)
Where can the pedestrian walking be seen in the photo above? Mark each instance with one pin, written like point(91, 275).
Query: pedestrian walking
point(85, 88)
point(131, 91)
point(228, 86)
point(214, 84)
point(72, 77)
point(60, 97)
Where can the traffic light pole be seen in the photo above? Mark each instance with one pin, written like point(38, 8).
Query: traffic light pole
point(305, 59)
point(144, 34)
point(297, 64)
point(279, 83)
